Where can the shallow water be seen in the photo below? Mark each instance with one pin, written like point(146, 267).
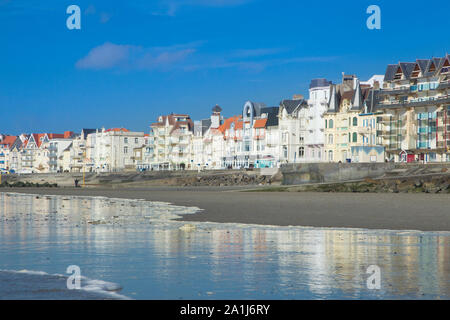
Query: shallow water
point(134, 245)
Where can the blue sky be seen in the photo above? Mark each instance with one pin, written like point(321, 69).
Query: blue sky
point(134, 60)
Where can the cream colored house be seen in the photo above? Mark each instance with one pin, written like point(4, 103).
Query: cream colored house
point(351, 123)
point(112, 150)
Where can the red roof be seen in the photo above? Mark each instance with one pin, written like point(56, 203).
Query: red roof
point(37, 138)
point(117, 130)
point(260, 123)
point(8, 140)
point(227, 123)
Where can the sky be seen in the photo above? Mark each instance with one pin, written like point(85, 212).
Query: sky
point(134, 60)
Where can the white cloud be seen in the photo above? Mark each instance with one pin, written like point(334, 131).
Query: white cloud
point(186, 57)
point(116, 56)
point(106, 56)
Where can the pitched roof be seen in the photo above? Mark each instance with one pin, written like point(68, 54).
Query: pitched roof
point(117, 130)
point(171, 119)
point(8, 141)
point(291, 105)
point(335, 99)
point(227, 123)
point(408, 67)
point(260, 123)
point(272, 115)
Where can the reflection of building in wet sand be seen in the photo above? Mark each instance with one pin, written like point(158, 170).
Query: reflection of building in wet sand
point(282, 261)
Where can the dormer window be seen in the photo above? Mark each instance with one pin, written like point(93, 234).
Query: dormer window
point(446, 67)
point(416, 72)
point(432, 68)
point(398, 74)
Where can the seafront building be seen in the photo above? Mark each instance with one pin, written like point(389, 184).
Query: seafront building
point(111, 150)
point(6, 143)
point(55, 146)
point(351, 123)
point(301, 125)
point(170, 142)
point(415, 103)
point(78, 157)
point(402, 116)
point(250, 139)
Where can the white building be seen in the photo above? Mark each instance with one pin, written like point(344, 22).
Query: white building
point(55, 145)
point(170, 142)
point(301, 125)
point(250, 140)
point(111, 150)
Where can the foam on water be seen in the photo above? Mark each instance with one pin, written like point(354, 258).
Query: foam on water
point(32, 284)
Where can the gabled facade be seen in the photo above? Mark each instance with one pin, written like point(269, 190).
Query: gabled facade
point(55, 146)
point(250, 139)
point(6, 143)
point(292, 130)
point(170, 142)
point(351, 123)
point(415, 100)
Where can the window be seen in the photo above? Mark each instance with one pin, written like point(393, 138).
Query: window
point(136, 140)
point(326, 123)
point(355, 121)
point(355, 137)
point(330, 139)
point(330, 123)
point(125, 140)
point(330, 155)
point(285, 152)
point(247, 146)
point(301, 152)
point(125, 149)
point(301, 139)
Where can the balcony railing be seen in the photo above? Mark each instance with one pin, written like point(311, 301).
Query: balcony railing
point(415, 102)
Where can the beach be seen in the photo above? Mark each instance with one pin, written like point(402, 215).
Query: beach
point(171, 248)
point(424, 212)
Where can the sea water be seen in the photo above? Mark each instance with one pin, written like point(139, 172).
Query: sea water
point(135, 249)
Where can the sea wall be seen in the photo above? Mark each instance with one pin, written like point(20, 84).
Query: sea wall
point(340, 172)
point(150, 178)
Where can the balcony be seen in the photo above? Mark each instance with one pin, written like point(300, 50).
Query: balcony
point(398, 90)
point(414, 102)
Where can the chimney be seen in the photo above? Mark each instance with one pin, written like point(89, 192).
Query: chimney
point(376, 85)
point(298, 97)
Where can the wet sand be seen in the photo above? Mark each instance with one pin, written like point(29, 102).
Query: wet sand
point(425, 212)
